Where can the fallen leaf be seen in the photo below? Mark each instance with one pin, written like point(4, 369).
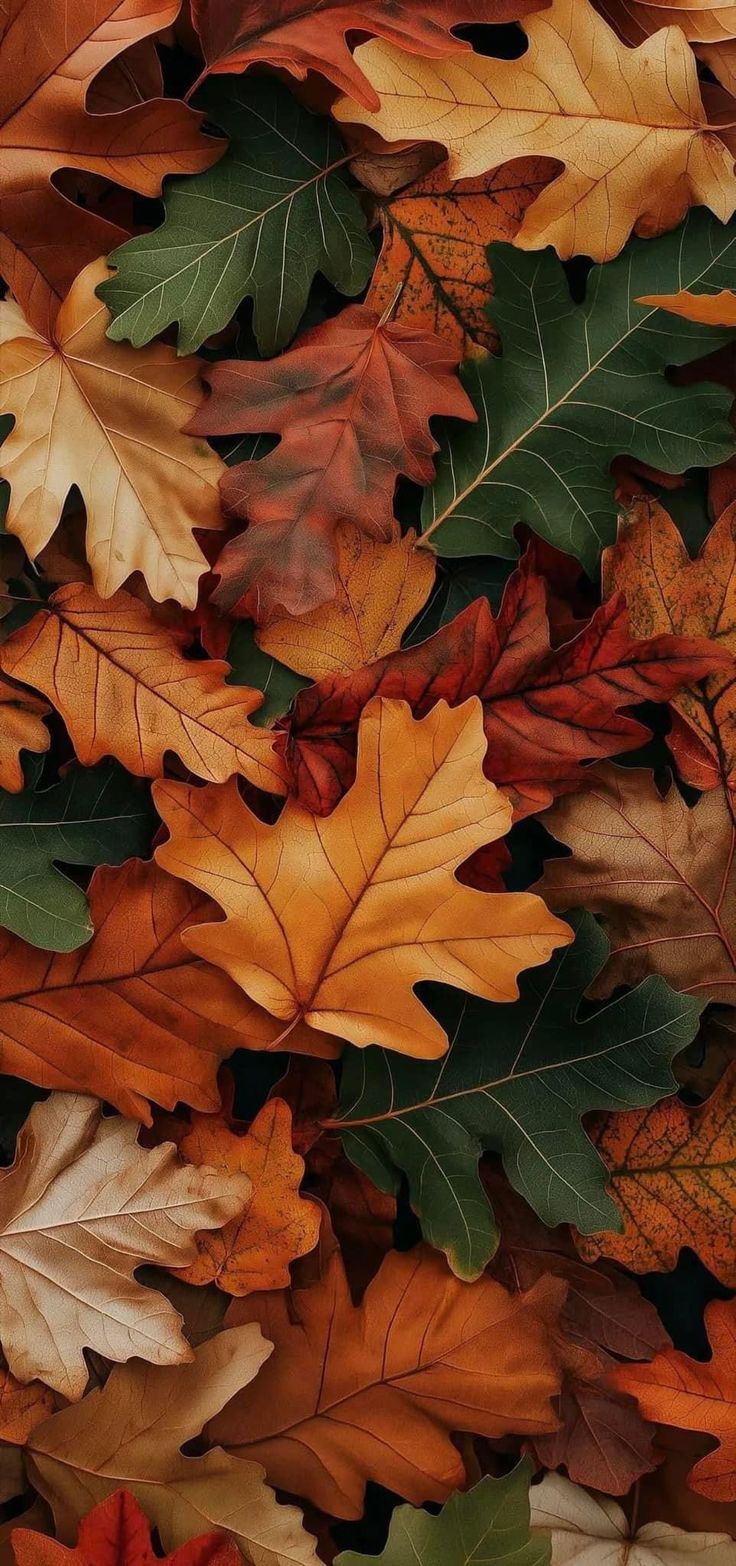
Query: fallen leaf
point(117, 1533)
point(583, 1527)
point(695, 1395)
point(107, 419)
point(381, 586)
point(659, 872)
point(316, 948)
point(21, 728)
point(276, 1225)
point(488, 1523)
point(546, 712)
point(22, 1408)
point(373, 1392)
point(628, 125)
point(124, 688)
point(130, 1432)
point(47, 126)
point(338, 458)
point(81, 1207)
point(708, 309)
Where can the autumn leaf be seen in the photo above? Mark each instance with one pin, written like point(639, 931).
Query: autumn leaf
point(336, 460)
point(81, 1207)
point(659, 872)
point(582, 1527)
point(381, 586)
point(492, 1518)
point(667, 591)
point(108, 419)
point(22, 1408)
point(124, 688)
point(117, 1533)
point(275, 211)
point(21, 728)
point(316, 947)
point(707, 309)
point(673, 1174)
point(373, 1392)
point(695, 1395)
point(574, 92)
point(46, 125)
point(435, 237)
point(276, 1224)
point(545, 711)
point(130, 1432)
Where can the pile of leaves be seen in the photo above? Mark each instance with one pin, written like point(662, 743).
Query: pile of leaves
point(367, 782)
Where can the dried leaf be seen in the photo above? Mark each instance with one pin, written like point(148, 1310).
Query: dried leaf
point(117, 1533)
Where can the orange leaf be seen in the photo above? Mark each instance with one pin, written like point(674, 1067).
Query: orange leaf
point(22, 1408)
point(117, 1533)
point(342, 946)
point(124, 688)
point(705, 309)
point(254, 1250)
point(21, 728)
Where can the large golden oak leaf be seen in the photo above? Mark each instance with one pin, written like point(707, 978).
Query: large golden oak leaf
point(628, 124)
point(333, 920)
point(107, 418)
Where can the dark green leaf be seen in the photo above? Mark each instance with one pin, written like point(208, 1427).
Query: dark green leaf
point(251, 666)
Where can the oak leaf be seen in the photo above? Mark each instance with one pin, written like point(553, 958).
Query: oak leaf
point(673, 1174)
point(117, 1533)
point(81, 1207)
point(108, 419)
point(130, 1432)
point(124, 688)
point(707, 309)
point(546, 711)
point(588, 1528)
point(21, 728)
point(22, 1407)
point(381, 586)
point(374, 1392)
point(46, 125)
point(661, 874)
point(315, 948)
point(695, 1395)
point(629, 126)
point(489, 1523)
point(352, 402)
point(276, 1224)
point(667, 591)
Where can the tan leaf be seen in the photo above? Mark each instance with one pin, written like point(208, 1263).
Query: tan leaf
point(22, 1408)
point(21, 728)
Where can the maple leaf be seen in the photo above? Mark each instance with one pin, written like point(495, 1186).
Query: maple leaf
point(695, 1395)
point(276, 1224)
point(274, 211)
point(117, 1533)
point(134, 1015)
point(488, 1523)
point(582, 1527)
point(301, 38)
point(374, 1391)
point(575, 91)
point(660, 874)
point(524, 1102)
point(667, 591)
point(577, 386)
point(46, 125)
point(673, 1174)
point(352, 403)
point(130, 1432)
point(110, 422)
point(381, 586)
point(21, 728)
point(435, 237)
point(81, 1207)
point(124, 688)
point(316, 948)
point(545, 711)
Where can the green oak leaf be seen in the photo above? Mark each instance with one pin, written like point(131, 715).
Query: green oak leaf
point(251, 666)
point(92, 816)
point(576, 386)
point(275, 210)
point(517, 1079)
point(485, 1526)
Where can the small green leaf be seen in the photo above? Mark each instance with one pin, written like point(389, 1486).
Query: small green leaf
point(251, 666)
point(485, 1526)
point(92, 816)
point(517, 1080)
point(274, 211)
point(576, 386)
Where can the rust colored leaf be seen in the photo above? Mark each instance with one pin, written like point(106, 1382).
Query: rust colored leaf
point(21, 728)
point(22, 1408)
point(118, 1533)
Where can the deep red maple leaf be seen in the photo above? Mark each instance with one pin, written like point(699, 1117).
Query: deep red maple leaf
point(117, 1533)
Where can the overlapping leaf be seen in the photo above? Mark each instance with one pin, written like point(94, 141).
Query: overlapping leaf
point(117, 1533)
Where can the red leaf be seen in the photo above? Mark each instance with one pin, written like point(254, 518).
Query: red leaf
point(117, 1533)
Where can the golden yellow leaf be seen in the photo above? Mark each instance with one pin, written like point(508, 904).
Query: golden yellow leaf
point(629, 125)
point(333, 920)
point(707, 309)
point(107, 418)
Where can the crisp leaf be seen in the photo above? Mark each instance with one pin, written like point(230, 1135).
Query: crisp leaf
point(488, 1524)
point(117, 1533)
point(585, 1528)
